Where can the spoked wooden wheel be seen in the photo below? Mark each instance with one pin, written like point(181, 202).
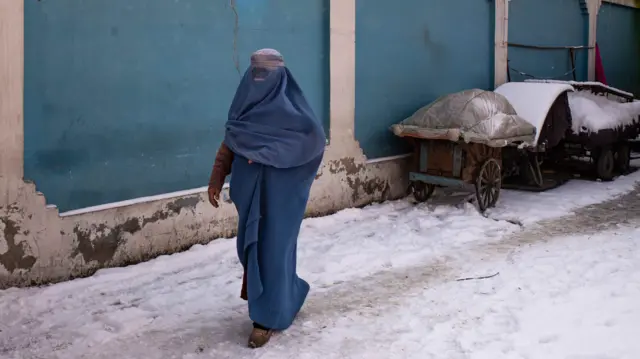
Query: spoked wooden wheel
point(488, 184)
point(422, 191)
point(533, 173)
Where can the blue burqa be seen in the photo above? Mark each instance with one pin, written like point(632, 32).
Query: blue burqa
point(272, 125)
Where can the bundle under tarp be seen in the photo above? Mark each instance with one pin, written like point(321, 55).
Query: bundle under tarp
point(474, 115)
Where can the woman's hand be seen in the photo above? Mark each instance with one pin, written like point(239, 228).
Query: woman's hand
point(214, 196)
point(221, 169)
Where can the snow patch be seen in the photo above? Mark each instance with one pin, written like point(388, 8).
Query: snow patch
point(383, 286)
point(583, 83)
point(593, 113)
point(528, 208)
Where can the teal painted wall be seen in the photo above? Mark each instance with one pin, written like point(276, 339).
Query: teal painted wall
point(548, 23)
point(619, 42)
point(128, 98)
point(410, 52)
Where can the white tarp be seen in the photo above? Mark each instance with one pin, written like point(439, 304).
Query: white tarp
point(532, 101)
point(472, 116)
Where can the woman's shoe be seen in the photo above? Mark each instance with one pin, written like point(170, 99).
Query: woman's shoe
point(259, 337)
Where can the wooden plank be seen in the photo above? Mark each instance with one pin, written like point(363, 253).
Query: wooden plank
point(630, 3)
point(424, 156)
point(438, 180)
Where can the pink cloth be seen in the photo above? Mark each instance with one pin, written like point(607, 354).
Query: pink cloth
point(600, 77)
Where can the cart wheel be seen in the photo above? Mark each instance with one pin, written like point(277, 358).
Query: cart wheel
point(623, 158)
point(422, 191)
point(532, 172)
point(488, 184)
point(605, 164)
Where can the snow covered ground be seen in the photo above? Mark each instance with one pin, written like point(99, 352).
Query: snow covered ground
point(385, 284)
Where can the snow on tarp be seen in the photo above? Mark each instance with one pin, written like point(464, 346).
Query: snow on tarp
point(613, 90)
point(592, 113)
point(532, 101)
point(473, 116)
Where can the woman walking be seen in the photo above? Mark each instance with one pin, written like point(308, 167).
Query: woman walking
point(273, 147)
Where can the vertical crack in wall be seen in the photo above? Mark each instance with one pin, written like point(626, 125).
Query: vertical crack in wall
point(236, 30)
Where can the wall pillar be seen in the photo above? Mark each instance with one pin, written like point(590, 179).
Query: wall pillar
point(501, 50)
point(11, 99)
point(343, 76)
point(593, 6)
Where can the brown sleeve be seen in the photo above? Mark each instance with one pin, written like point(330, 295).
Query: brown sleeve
point(221, 167)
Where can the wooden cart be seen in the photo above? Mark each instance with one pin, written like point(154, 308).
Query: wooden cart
point(609, 150)
point(470, 166)
point(449, 152)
